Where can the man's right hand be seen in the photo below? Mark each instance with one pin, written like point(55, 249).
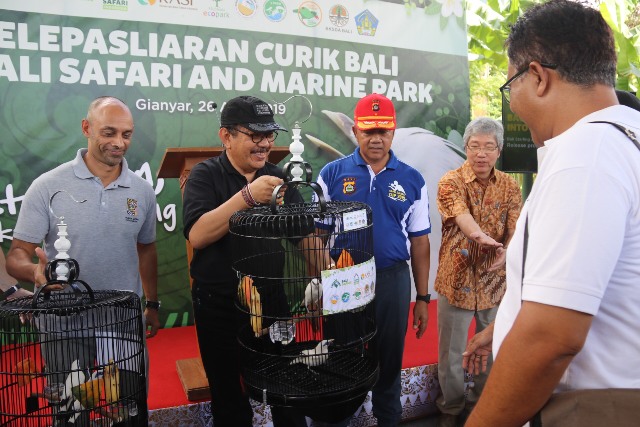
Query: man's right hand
point(476, 355)
point(19, 294)
point(484, 240)
point(39, 278)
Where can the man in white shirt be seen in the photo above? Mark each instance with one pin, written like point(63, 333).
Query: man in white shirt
point(570, 320)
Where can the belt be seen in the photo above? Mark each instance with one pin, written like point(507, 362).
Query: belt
point(400, 265)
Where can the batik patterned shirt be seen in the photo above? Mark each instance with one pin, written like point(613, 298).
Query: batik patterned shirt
point(462, 275)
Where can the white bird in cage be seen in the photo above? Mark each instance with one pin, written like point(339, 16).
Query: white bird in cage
point(313, 296)
point(314, 356)
point(75, 378)
point(77, 409)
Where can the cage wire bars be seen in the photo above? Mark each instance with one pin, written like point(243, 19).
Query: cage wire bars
point(307, 309)
point(74, 357)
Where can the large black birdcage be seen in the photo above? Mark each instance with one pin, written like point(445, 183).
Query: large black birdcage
point(306, 283)
point(73, 358)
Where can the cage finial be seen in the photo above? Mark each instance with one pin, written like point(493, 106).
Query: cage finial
point(62, 244)
point(296, 148)
point(297, 167)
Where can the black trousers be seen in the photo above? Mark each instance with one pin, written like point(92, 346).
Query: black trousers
point(216, 320)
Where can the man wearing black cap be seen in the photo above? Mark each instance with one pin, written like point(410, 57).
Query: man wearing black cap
point(238, 179)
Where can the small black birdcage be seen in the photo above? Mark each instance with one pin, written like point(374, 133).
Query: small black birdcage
point(306, 283)
point(73, 358)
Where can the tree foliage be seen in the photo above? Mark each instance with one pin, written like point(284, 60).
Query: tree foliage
point(488, 24)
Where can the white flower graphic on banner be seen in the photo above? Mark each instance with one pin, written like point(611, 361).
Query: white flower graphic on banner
point(451, 6)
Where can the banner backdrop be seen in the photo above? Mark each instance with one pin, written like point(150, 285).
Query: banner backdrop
point(519, 153)
point(171, 61)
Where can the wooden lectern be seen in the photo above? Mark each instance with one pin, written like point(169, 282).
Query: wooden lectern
point(177, 163)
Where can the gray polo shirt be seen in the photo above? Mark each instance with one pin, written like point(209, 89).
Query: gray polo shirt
point(103, 231)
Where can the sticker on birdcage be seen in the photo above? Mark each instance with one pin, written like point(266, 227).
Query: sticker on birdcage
point(355, 220)
point(349, 287)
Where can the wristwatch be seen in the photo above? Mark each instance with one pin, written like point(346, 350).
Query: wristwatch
point(426, 298)
point(154, 305)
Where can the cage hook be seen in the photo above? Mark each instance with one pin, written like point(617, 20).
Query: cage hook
point(61, 218)
point(298, 122)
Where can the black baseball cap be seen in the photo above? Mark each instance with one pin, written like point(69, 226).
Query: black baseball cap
point(250, 112)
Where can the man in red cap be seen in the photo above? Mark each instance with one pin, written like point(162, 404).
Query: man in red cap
point(398, 196)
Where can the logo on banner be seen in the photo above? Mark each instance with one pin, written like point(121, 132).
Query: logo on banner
point(147, 2)
point(177, 4)
point(348, 185)
point(215, 11)
point(275, 10)
point(366, 23)
point(338, 15)
point(122, 5)
point(309, 13)
point(246, 8)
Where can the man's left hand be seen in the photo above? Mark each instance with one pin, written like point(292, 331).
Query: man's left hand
point(501, 258)
point(152, 321)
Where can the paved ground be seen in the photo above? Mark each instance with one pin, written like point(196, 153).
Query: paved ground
point(430, 421)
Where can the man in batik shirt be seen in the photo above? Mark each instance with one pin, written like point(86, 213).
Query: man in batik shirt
point(479, 207)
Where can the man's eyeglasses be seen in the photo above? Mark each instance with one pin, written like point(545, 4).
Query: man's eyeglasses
point(476, 149)
point(257, 138)
point(506, 88)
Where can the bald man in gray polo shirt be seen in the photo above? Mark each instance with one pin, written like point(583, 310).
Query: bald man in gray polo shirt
point(112, 234)
point(112, 237)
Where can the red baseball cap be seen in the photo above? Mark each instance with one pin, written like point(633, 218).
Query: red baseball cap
point(375, 111)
